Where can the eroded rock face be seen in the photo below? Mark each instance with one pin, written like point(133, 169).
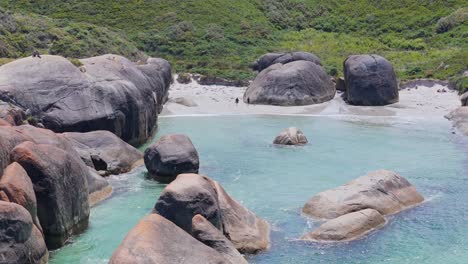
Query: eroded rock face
point(459, 118)
point(209, 235)
point(170, 156)
point(464, 99)
point(382, 190)
point(291, 136)
point(370, 81)
point(157, 240)
point(269, 59)
point(104, 151)
point(99, 188)
point(11, 114)
point(348, 227)
point(61, 188)
point(20, 240)
point(192, 194)
point(9, 138)
point(292, 84)
point(113, 93)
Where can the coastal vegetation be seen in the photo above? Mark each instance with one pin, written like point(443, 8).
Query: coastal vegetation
point(422, 39)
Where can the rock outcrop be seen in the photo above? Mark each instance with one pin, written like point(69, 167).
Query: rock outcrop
point(370, 81)
point(269, 59)
point(156, 240)
point(104, 151)
point(192, 194)
point(292, 84)
point(61, 189)
point(385, 191)
point(347, 227)
point(20, 240)
point(170, 156)
point(12, 114)
point(459, 118)
point(113, 93)
point(209, 235)
point(464, 99)
point(291, 136)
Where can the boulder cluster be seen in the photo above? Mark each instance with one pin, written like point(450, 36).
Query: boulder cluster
point(194, 221)
point(48, 179)
point(360, 206)
point(298, 78)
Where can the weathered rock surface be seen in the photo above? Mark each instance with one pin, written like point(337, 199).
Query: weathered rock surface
point(104, 151)
point(170, 156)
point(459, 118)
point(20, 240)
point(212, 80)
point(340, 84)
point(113, 93)
point(291, 136)
point(295, 83)
point(9, 138)
point(464, 99)
point(184, 78)
point(11, 114)
point(4, 123)
point(192, 194)
point(382, 190)
point(209, 235)
point(370, 81)
point(99, 188)
point(155, 240)
point(269, 59)
point(61, 189)
point(348, 227)
point(185, 101)
point(16, 187)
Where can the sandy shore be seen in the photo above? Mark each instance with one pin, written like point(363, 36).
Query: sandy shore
point(421, 102)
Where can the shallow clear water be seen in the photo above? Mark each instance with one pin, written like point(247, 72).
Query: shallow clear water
point(275, 182)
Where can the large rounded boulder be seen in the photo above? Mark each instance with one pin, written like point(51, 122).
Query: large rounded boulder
point(370, 80)
point(156, 240)
point(292, 84)
point(170, 156)
point(61, 187)
point(269, 59)
point(291, 136)
point(20, 240)
point(382, 190)
point(106, 93)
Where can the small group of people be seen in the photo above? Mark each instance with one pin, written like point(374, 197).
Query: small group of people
point(237, 101)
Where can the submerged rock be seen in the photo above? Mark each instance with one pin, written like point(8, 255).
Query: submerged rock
point(170, 156)
point(292, 84)
point(459, 118)
point(269, 59)
point(104, 151)
point(113, 93)
point(156, 240)
point(21, 242)
point(370, 81)
point(192, 194)
point(291, 136)
point(61, 189)
point(209, 235)
point(347, 227)
point(382, 190)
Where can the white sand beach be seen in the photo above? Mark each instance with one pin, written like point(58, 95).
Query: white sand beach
point(416, 103)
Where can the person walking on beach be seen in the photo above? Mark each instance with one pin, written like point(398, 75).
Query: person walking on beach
point(248, 100)
point(237, 101)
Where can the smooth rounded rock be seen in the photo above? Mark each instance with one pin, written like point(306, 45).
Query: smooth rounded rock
point(291, 136)
point(292, 84)
point(170, 156)
point(269, 59)
point(370, 81)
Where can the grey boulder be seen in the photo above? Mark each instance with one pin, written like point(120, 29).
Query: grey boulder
point(291, 136)
point(459, 118)
point(347, 227)
point(370, 81)
point(382, 190)
point(269, 59)
point(292, 84)
point(170, 156)
point(464, 99)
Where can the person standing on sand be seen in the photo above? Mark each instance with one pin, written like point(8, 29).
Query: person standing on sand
point(237, 101)
point(248, 100)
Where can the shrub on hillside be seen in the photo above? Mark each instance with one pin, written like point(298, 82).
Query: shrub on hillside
point(455, 19)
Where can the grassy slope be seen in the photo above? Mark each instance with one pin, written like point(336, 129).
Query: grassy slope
point(221, 37)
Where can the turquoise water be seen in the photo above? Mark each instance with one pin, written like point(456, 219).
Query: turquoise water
point(275, 182)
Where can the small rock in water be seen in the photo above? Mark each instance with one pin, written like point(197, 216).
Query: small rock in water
point(291, 136)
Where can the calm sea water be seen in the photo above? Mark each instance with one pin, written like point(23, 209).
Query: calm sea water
point(275, 182)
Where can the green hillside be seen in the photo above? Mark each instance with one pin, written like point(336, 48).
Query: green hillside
point(221, 37)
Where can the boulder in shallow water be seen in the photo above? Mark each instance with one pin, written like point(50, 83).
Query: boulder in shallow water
point(21, 242)
point(459, 118)
point(209, 235)
point(156, 240)
point(382, 190)
point(61, 189)
point(192, 194)
point(292, 84)
point(347, 227)
point(291, 136)
point(170, 156)
point(370, 81)
point(104, 151)
point(269, 59)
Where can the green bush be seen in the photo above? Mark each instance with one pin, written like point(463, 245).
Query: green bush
point(455, 19)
